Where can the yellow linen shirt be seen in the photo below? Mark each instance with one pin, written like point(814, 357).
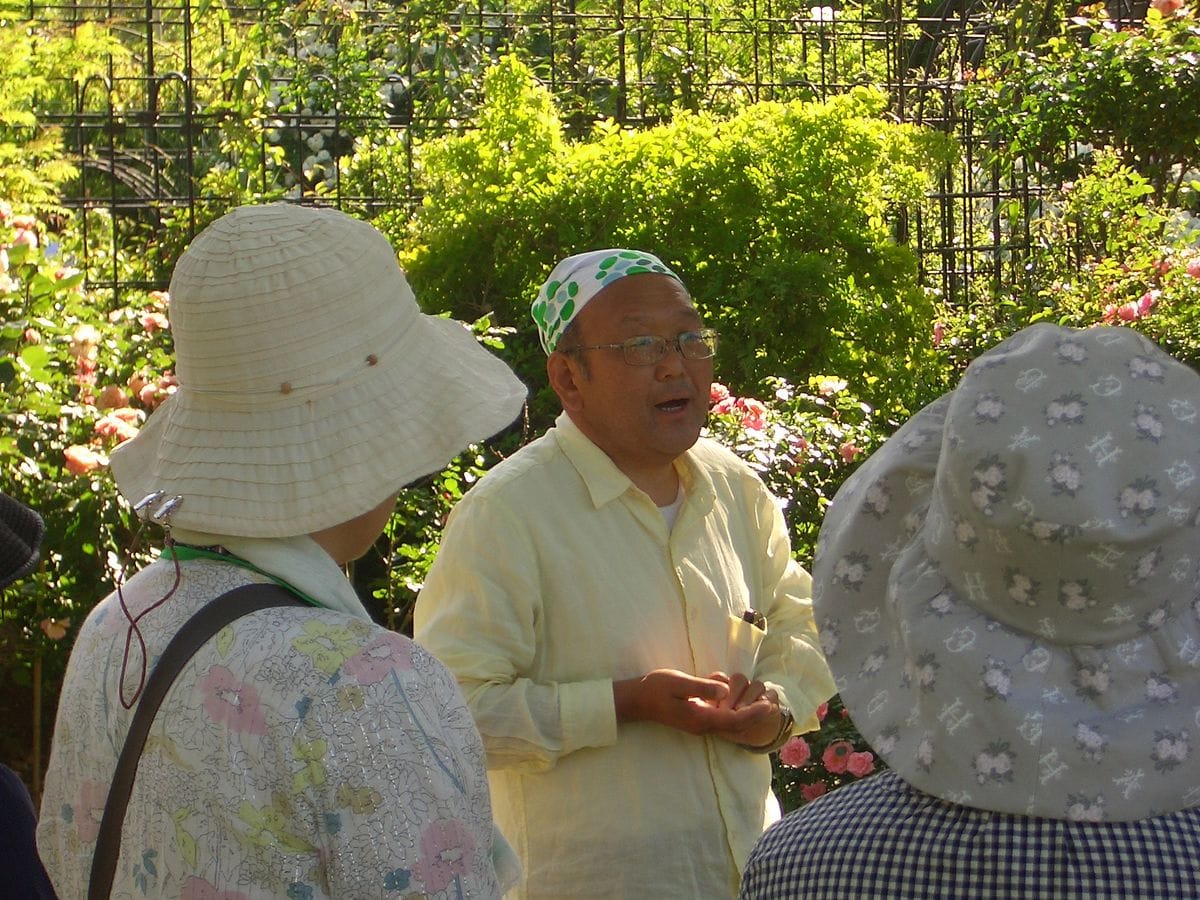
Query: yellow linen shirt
point(557, 576)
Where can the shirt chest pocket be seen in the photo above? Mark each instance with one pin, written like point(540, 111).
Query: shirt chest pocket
point(746, 633)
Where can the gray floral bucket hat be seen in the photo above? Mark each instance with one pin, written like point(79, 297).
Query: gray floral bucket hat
point(1007, 590)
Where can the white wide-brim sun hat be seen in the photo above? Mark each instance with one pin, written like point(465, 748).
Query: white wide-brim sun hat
point(311, 386)
point(1008, 590)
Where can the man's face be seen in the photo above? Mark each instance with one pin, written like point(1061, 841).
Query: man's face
point(643, 417)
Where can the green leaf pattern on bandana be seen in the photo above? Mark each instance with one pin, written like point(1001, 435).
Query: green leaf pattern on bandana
point(559, 301)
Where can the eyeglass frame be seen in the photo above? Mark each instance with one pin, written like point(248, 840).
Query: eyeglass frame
point(708, 337)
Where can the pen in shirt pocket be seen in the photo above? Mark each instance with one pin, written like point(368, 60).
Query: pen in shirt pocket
point(755, 618)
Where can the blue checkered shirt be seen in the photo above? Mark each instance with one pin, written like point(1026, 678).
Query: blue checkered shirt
point(881, 838)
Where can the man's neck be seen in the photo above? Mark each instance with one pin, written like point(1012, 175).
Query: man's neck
point(657, 479)
point(662, 487)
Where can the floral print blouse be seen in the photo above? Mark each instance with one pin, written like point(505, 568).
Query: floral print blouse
point(301, 753)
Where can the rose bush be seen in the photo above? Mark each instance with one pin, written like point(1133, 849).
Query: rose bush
point(810, 765)
point(802, 442)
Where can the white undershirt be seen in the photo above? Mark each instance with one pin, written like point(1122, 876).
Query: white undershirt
point(671, 510)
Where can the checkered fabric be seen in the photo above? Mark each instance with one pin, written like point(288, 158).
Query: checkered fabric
point(881, 838)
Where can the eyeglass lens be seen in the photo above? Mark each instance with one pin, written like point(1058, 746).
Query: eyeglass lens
point(650, 349)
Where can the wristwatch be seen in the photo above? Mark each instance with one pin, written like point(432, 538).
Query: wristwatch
point(787, 720)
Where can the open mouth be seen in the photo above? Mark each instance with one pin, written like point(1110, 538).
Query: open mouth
point(672, 406)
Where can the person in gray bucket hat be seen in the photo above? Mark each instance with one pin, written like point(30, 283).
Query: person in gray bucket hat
point(1008, 594)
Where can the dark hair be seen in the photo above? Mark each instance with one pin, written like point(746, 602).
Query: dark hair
point(570, 340)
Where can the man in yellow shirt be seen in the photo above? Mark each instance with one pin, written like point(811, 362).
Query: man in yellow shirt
point(619, 603)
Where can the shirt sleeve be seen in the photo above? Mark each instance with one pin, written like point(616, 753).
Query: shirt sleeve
point(482, 622)
point(789, 658)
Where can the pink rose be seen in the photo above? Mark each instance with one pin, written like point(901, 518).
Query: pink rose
point(717, 392)
point(754, 414)
point(1193, 268)
point(55, 629)
point(112, 397)
point(836, 756)
point(148, 395)
point(113, 426)
point(1127, 312)
point(795, 752)
point(154, 321)
point(939, 333)
point(1166, 7)
point(85, 371)
point(811, 792)
point(129, 415)
point(1146, 302)
point(152, 393)
point(1110, 313)
point(81, 459)
point(860, 764)
point(848, 451)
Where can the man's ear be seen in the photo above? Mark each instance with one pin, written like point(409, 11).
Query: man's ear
point(565, 374)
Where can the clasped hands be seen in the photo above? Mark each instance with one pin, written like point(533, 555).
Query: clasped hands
point(731, 707)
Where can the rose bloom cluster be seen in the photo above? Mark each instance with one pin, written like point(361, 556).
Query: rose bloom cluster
point(120, 419)
point(830, 763)
point(1140, 308)
point(1132, 311)
point(751, 414)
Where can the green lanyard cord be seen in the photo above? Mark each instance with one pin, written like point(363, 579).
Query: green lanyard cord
point(184, 552)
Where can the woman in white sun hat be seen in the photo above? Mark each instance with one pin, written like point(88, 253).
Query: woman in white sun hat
point(1008, 593)
point(303, 751)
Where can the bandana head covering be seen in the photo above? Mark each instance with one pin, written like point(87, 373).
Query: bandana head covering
point(1008, 590)
point(579, 278)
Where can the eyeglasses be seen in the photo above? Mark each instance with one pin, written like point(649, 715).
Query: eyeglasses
point(647, 349)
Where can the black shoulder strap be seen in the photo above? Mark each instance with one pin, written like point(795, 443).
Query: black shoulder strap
point(214, 616)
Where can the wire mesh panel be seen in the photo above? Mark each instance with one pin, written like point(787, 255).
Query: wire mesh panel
point(204, 103)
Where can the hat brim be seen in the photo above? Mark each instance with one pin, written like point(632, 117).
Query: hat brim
point(233, 469)
point(964, 707)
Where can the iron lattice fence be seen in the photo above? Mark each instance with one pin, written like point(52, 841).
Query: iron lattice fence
point(145, 134)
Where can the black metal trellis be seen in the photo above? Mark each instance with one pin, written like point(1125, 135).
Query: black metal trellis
point(144, 159)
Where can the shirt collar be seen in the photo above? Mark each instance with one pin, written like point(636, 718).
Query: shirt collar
point(298, 560)
point(605, 482)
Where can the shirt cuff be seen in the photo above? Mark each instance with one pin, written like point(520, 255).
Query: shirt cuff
point(588, 713)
